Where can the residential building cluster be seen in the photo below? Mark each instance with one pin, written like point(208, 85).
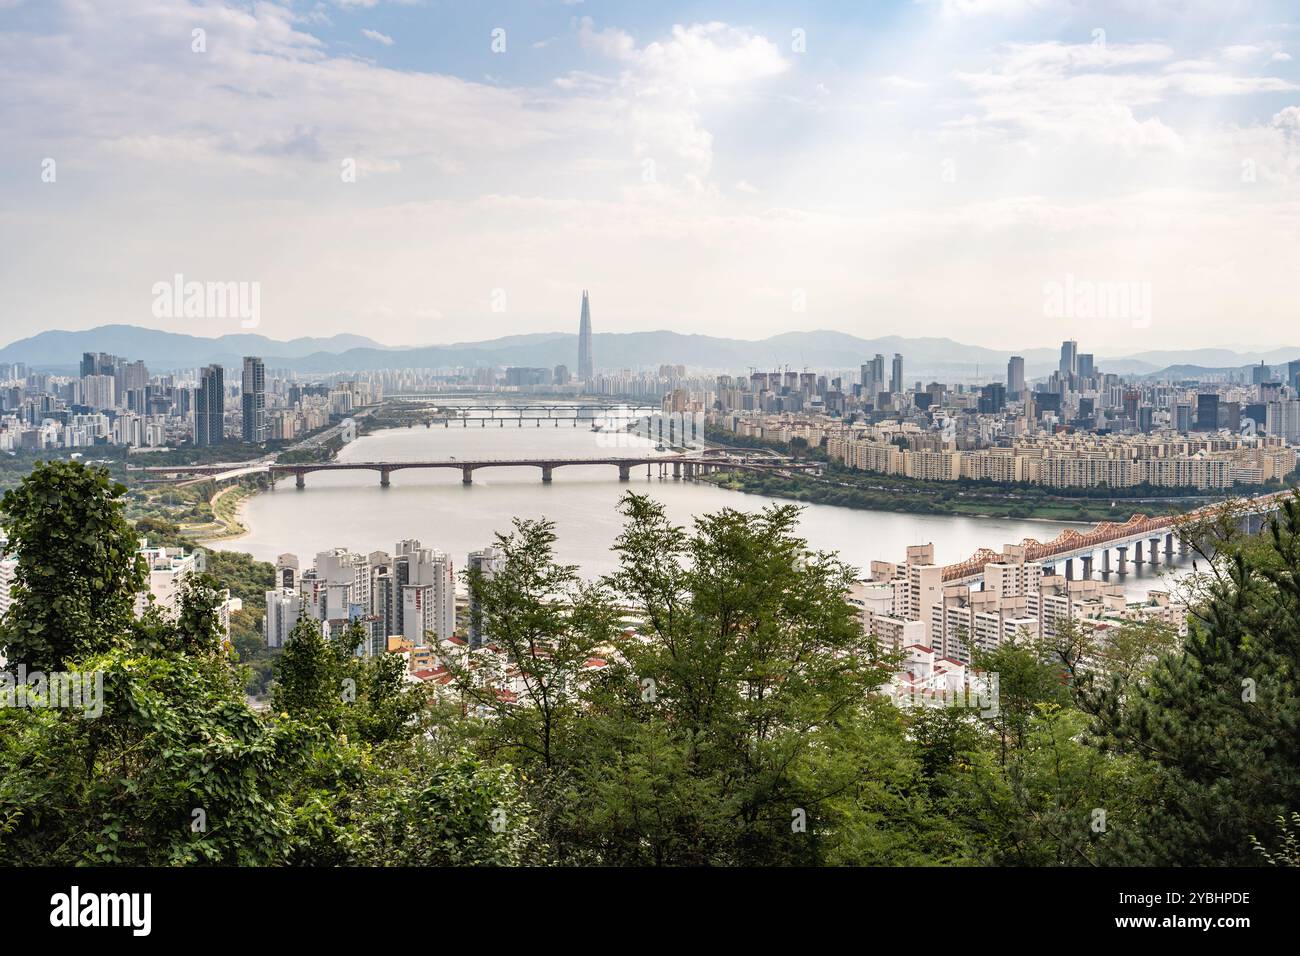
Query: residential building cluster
point(1077, 427)
point(409, 595)
point(116, 401)
point(940, 627)
point(1073, 460)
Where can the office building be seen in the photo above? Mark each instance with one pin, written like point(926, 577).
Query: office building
point(1069, 358)
point(1015, 378)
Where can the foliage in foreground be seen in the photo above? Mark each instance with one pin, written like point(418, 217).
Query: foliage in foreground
point(734, 720)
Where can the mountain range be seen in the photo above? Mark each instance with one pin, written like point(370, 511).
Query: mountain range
point(60, 351)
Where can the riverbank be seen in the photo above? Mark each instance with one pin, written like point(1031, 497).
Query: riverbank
point(227, 519)
point(908, 496)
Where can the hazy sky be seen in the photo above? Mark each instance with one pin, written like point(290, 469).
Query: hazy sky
point(732, 168)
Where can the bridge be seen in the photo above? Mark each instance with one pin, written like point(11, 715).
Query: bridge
point(534, 412)
point(682, 466)
point(1159, 534)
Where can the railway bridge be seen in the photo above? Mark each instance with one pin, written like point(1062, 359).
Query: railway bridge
point(1160, 535)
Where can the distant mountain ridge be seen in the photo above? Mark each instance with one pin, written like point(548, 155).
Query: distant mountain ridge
point(924, 357)
point(166, 350)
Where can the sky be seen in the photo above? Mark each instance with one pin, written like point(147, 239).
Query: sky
point(1006, 173)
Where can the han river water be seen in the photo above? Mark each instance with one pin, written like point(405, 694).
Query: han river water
point(349, 509)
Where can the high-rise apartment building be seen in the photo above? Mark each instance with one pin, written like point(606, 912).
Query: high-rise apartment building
point(1283, 419)
point(428, 597)
point(253, 396)
point(131, 380)
point(485, 563)
point(586, 361)
point(283, 608)
point(99, 391)
point(210, 407)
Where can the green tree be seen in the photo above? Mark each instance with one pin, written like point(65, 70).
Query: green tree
point(543, 624)
point(1217, 720)
point(747, 666)
point(174, 769)
point(78, 567)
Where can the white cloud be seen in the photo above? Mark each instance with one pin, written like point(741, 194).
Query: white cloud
point(664, 85)
point(1102, 160)
point(377, 37)
point(1096, 92)
point(1241, 52)
point(959, 9)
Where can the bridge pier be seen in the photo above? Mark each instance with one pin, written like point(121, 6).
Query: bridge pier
point(383, 477)
point(546, 473)
point(1105, 561)
point(677, 469)
point(1087, 567)
point(1169, 548)
point(624, 472)
point(467, 475)
point(299, 479)
point(1069, 569)
point(1155, 552)
point(1137, 551)
point(1123, 558)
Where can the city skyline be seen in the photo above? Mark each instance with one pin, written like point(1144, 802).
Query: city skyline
point(954, 169)
point(920, 493)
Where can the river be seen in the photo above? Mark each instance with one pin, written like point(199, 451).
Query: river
point(349, 509)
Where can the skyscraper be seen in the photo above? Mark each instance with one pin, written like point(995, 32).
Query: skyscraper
point(896, 378)
point(210, 406)
point(586, 362)
point(1207, 412)
point(253, 389)
point(1015, 377)
point(1069, 358)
